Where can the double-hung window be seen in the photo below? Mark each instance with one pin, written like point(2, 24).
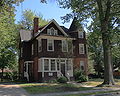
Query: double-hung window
point(81, 49)
point(50, 45)
point(53, 65)
point(64, 46)
point(46, 64)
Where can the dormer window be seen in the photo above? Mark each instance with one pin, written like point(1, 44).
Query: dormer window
point(80, 34)
point(52, 31)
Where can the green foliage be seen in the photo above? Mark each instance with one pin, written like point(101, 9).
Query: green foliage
point(62, 79)
point(8, 34)
point(80, 76)
point(27, 19)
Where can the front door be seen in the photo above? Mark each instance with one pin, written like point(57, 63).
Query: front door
point(28, 70)
point(63, 67)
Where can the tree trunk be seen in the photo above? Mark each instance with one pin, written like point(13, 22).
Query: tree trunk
point(2, 74)
point(108, 68)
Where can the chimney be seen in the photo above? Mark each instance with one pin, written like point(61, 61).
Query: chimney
point(35, 28)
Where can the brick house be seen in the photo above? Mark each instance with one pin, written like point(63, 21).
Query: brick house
point(51, 51)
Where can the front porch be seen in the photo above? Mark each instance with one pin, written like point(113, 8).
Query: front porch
point(52, 68)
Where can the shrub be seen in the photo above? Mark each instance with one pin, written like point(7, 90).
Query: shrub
point(62, 79)
point(80, 76)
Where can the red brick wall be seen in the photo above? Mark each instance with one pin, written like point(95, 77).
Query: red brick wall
point(35, 68)
point(21, 67)
point(76, 63)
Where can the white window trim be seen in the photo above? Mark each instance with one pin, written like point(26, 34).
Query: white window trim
point(79, 34)
point(66, 46)
point(52, 44)
point(50, 33)
point(81, 45)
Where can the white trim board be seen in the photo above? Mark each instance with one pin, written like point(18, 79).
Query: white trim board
point(53, 21)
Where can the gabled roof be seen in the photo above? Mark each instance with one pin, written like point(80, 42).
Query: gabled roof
point(75, 26)
point(52, 21)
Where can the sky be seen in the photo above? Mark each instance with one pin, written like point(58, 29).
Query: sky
point(49, 11)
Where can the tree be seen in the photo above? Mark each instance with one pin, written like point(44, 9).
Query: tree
point(95, 45)
point(104, 10)
point(96, 51)
point(8, 33)
point(27, 19)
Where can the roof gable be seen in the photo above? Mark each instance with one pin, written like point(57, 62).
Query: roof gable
point(56, 24)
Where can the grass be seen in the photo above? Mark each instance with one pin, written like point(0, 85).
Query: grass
point(92, 93)
point(35, 88)
point(51, 88)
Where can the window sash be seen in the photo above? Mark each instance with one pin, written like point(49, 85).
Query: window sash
point(68, 64)
point(50, 45)
point(81, 49)
point(53, 64)
point(46, 64)
point(64, 46)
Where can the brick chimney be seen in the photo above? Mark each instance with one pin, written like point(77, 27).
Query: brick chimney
point(35, 28)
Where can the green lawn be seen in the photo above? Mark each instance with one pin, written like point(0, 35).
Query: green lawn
point(51, 88)
point(35, 88)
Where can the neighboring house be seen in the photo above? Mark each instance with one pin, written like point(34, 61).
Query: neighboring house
point(52, 51)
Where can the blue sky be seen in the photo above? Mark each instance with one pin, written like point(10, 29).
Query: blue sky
point(48, 11)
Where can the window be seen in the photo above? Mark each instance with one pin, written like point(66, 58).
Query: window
point(68, 63)
point(64, 46)
point(39, 45)
point(80, 34)
point(52, 31)
point(82, 65)
point(46, 64)
point(25, 69)
point(81, 49)
point(53, 65)
point(32, 49)
point(58, 64)
point(50, 45)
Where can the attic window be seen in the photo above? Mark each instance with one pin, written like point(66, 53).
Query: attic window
point(52, 31)
point(80, 34)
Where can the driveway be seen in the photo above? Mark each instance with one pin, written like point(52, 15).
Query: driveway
point(12, 90)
